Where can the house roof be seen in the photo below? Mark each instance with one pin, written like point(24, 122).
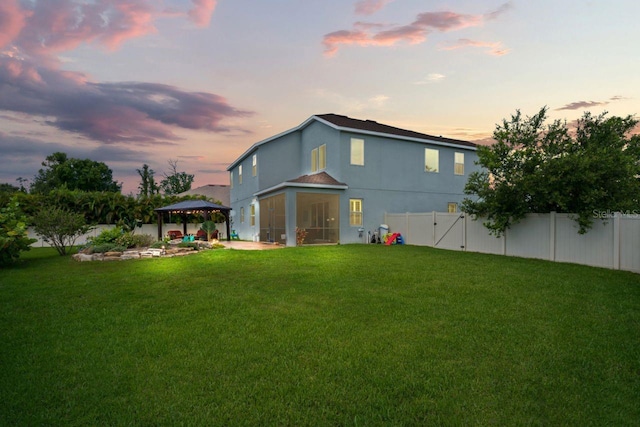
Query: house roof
point(212, 191)
point(366, 127)
point(320, 180)
point(373, 126)
point(193, 206)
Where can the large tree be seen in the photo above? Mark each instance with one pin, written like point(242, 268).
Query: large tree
point(148, 186)
point(74, 174)
point(176, 182)
point(536, 167)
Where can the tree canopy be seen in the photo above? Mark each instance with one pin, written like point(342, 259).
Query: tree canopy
point(536, 167)
point(74, 174)
point(176, 182)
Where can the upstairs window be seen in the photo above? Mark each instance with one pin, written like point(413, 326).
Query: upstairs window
point(231, 178)
point(319, 158)
point(240, 174)
point(357, 151)
point(254, 165)
point(431, 160)
point(322, 157)
point(458, 167)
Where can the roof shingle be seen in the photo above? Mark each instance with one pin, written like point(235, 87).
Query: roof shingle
point(372, 126)
point(321, 178)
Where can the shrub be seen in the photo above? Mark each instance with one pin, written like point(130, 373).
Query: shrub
point(59, 227)
point(107, 247)
point(13, 233)
point(143, 240)
point(108, 235)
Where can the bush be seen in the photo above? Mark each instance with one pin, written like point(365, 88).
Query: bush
point(13, 233)
point(106, 247)
point(108, 235)
point(143, 240)
point(59, 227)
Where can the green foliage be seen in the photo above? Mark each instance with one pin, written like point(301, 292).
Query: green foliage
point(13, 233)
point(59, 227)
point(73, 174)
point(208, 227)
point(176, 182)
point(538, 168)
point(148, 186)
point(118, 237)
point(142, 240)
point(106, 247)
point(101, 207)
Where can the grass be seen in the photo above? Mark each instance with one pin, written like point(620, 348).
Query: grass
point(333, 335)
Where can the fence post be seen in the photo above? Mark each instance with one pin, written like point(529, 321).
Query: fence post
point(433, 229)
point(616, 241)
point(552, 236)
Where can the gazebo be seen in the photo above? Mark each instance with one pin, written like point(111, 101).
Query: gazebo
point(189, 207)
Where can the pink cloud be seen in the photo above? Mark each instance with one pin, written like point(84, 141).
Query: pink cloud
point(370, 34)
point(12, 21)
point(493, 48)
point(582, 104)
point(202, 11)
point(56, 26)
point(369, 7)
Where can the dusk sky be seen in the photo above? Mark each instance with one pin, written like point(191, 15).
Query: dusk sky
point(128, 82)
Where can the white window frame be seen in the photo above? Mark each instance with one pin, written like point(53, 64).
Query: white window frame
point(231, 178)
point(314, 160)
point(428, 153)
point(241, 214)
point(252, 214)
point(458, 163)
point(254, 165)
point(319, 158)
point(356, 217)
point(357, 151)
point(322, 157)
point(240, 174)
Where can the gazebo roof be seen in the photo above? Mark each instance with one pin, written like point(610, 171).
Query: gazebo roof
point(193, 206)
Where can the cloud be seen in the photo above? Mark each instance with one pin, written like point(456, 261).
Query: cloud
point(12, 21)
point(431, 78)
point(32, 84)
point(493, 48)
point(368, 34)
point(135, 112)
point(581, 104)
point(202, 12)
point(369, 7)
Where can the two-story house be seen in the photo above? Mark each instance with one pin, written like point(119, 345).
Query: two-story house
point(335, 177)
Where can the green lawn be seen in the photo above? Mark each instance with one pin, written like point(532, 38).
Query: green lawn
point(334, 335)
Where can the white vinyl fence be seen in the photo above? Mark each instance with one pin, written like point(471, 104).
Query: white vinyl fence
point(612, 242)
point(151, 229)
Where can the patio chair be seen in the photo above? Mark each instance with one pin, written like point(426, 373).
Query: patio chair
point(175, 234)
point(234, 235)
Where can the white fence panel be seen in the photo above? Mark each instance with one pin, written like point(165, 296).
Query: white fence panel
point(630, 243)
point(530, 238)
point(421, 226)
point(479, 239)
point(611, 243)
point(592, 248)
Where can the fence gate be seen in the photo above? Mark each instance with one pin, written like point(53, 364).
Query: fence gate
point(449, 231)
